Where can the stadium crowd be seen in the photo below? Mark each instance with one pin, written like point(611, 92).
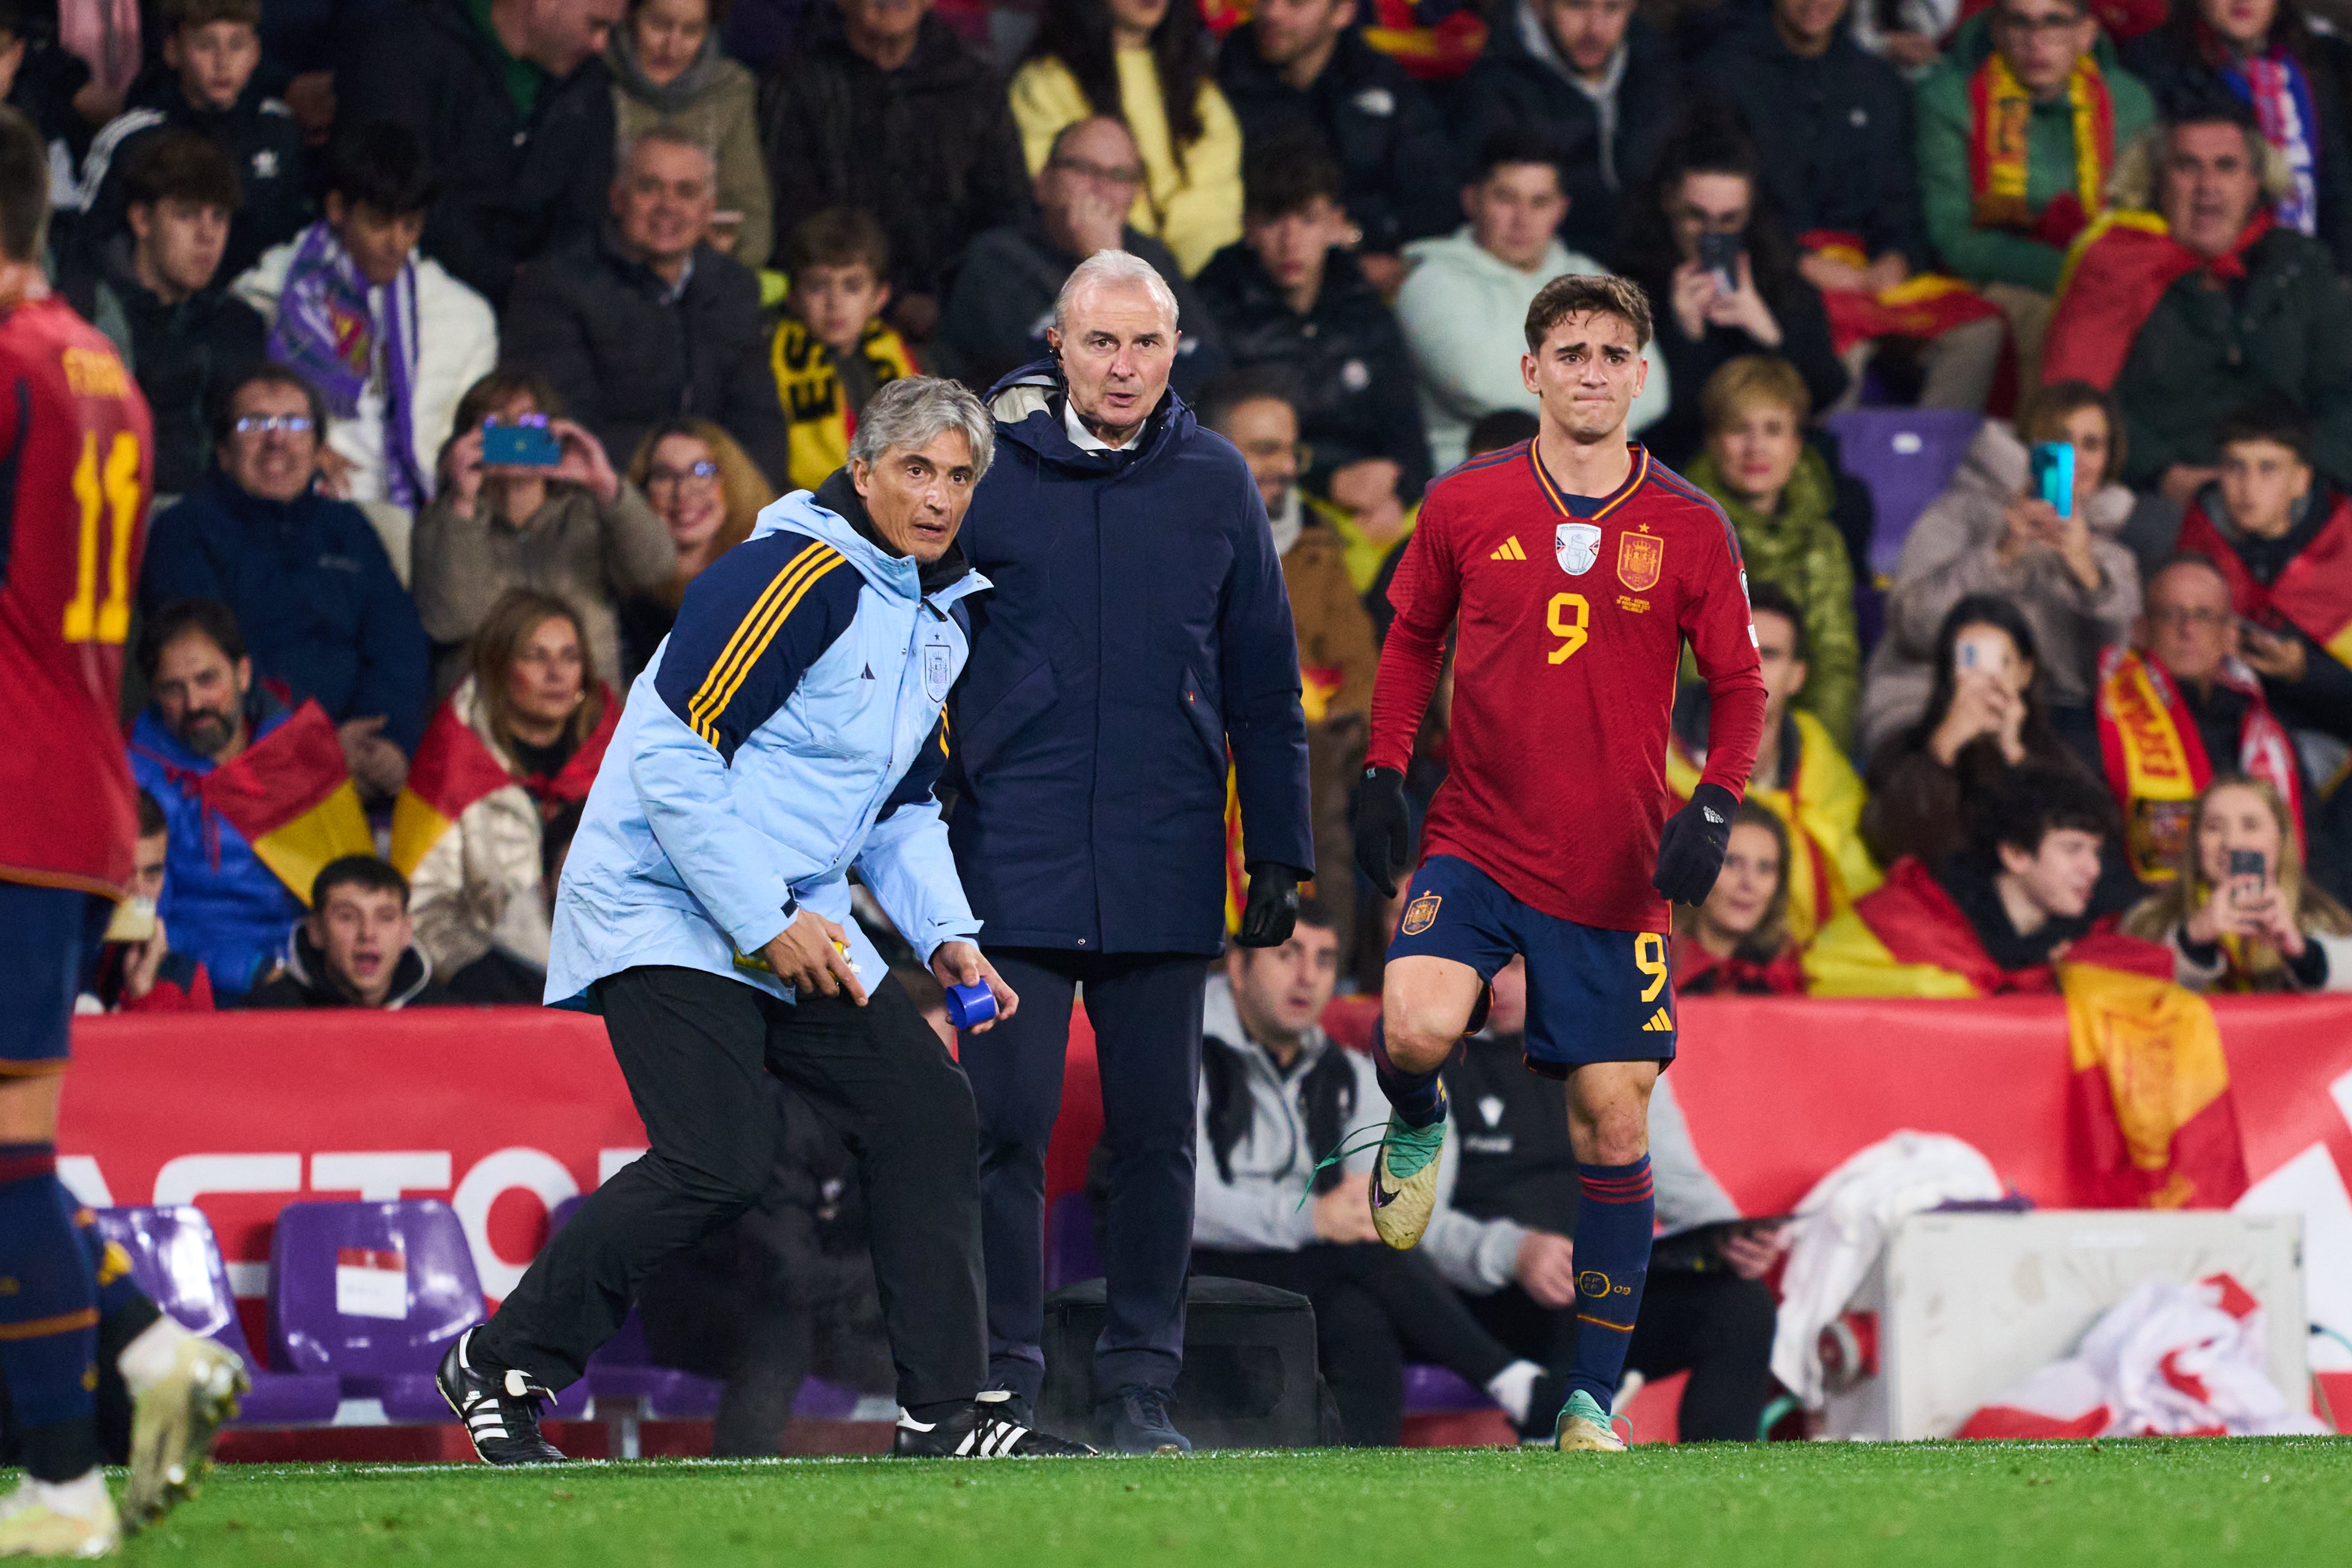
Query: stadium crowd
point(475, 330)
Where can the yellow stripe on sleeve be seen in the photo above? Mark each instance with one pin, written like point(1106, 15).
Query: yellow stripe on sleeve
point(744, 628)
point(776, 624)
point(753, 635)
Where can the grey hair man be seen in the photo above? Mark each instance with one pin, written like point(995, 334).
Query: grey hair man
point(788, 733)
point(1137, 644)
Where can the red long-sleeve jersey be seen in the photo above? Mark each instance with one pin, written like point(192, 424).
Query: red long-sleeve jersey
point(76, 449)
point(1574, 613)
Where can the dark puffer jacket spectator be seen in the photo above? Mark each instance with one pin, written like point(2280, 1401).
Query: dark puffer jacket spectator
point(162, 302)
point(1291, 295)
point(1832, 126)
point(644, 321)
point(2262, 53)
point(883, 107)
point(515, 108)
point(1598, 82)
point(307, 576)
point(211, 50)
point(1301, 65)
point(1708, 183)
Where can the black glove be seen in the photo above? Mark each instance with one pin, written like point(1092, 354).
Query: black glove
point(1383, 828)
point(1690, 849)
point(1273, 906)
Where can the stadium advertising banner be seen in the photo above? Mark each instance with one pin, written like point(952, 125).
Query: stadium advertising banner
point(504, 1114)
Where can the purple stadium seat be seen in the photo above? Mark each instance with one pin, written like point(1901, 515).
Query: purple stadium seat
point(624, 1368)
point(175, 1260)
point(1907, 457)
point(372, 1292)
point(1070, 1252)
point(1434, 1390)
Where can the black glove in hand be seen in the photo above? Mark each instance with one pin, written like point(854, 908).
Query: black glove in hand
point(1273, 906)
point(1381, 826)
point(1691, 846)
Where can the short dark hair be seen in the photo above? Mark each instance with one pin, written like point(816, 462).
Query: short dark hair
point(382, 166)
point(2272, 416)
point(1285, 174)
point(265, 373)
point(151, 820)
point(1251, 384)
point(839, 236)
point(1314, 911)
point(1504, 427)
point(179, 15)
point(23, 187)
point(1513, 143)
point(364, 872)
point(181, 617)
point(499, 386)
point(2035, 800)
point(1765, 598)
point(181, 165)
point(1588, 294)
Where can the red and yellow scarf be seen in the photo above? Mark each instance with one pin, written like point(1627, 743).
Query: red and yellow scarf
point(2155, 760)
point(2001, 116)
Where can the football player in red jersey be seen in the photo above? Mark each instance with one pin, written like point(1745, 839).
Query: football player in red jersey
point(1575, 567)
point(75, 451)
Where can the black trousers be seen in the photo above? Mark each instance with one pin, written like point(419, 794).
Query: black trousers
point(1716, 1327)
point(693, 1046)
point(1372, 1304)
point(1146, 1013)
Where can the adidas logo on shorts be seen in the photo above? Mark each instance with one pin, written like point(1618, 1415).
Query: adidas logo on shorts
point(1659, 1024)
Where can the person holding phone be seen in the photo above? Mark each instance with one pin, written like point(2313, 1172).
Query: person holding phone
point(1993, 531)
point(528, 499)
point(2239, 913)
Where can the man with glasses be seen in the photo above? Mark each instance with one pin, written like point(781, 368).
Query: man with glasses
point(2179, 706)
point(307, 578)
point(1001, 291)
point(2019, 129)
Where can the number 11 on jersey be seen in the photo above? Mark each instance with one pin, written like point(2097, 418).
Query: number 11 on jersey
point(107, 495)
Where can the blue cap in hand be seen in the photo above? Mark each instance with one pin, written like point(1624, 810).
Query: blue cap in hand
point(970, 1006)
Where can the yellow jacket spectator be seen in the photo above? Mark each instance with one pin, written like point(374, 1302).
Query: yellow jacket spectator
point(1800, 775)
point(1143, 61)
point(832, 352)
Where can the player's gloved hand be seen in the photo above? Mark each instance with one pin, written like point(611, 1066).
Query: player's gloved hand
point(1273, 906)
point(1381, 826)
point(1691, 846)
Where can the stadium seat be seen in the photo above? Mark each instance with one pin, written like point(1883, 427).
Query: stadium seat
point(372, 1293)
point(1434, 1391)
point(1907, 457)
point(174, 1258)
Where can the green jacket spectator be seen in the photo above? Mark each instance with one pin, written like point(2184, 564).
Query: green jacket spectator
point(2027, 248)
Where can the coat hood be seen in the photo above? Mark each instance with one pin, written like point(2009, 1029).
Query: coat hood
point(411, 971)
point(2000, 465)
point(819, 514)
point(1460, 252)
point(1028, 407)
point(1220, 1020)
point(1518, 33)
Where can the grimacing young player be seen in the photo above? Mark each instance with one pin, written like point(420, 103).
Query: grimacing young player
point(1577, 565)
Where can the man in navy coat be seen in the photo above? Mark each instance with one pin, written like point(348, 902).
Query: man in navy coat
point(1138, 637)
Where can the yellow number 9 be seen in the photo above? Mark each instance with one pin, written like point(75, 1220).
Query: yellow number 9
point(1572, 631)
point(1650, 958)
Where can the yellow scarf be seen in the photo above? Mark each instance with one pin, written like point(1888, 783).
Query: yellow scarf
point(809, 386)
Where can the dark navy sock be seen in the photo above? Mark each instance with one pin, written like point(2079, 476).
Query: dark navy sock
point(1614, 1221)
point(1417, 1098)
point(49, 1318)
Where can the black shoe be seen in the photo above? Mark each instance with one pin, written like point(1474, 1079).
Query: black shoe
point(1138, 1418)
point(984, 1430)
point(1549, 1392)
point(502, 1415)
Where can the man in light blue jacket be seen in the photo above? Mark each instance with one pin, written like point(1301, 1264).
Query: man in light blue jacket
point(788, 731)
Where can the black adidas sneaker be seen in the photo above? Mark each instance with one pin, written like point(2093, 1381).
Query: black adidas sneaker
point(501, 1413)
point(983, 1431)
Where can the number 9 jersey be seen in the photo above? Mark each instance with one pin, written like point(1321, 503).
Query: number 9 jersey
point(1572, 613)
point(75, 467)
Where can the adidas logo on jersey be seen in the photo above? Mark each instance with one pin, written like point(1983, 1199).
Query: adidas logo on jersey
point(1659, 1024)
point(1509, 550)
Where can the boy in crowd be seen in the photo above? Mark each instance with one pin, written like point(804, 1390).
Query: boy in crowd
point(159, 296)
point(832, 350)
point(213, 47)
point(138, 970)
point(357, 946)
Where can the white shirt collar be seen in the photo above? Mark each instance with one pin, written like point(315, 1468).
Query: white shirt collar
point(1080, 437)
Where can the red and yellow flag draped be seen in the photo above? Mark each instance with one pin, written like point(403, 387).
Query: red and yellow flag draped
point(289, 794)
point(454, 768)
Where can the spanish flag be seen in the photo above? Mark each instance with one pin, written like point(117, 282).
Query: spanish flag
point(1821, 808)
point(1926, 306)
point(289, 794)
point(2152, 1091)
point(454, 768)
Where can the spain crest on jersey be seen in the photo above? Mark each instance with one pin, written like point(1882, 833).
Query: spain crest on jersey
point(1640, 558)
point(1577, 545)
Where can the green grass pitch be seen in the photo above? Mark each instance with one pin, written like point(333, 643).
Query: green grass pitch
point(2279, 1503)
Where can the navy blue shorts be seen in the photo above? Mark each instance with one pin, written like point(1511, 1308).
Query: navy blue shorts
point(51, 934)
point(1593, 994)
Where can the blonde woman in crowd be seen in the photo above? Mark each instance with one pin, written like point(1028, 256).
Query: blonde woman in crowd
point(2239, 914)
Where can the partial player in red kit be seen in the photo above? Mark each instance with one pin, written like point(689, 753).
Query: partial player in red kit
point(75, 453)
point(1575, 566)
